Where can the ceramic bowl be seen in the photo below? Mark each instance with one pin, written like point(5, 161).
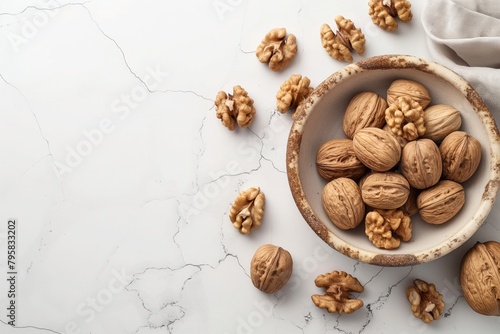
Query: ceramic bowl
point(319, 119)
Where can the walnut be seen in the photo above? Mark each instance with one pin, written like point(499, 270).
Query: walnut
point(421, 163)
point(235, 109)
point(385, 228)
point(293, 92)
point(405, 118)
point(270, 268)
point(277, 48)
point(336, 158)
point(480, 277)
point(410, 207)
point(247, 210)
point(410, 88)
point(339, 285)
point(342, 202)
point(440, 120)
point(388, 190)
point(385, 12)
point(440, 203)
point(376, 149)
point(365, 109)
point(348, 38)
point(461, 154)
point(426, 302)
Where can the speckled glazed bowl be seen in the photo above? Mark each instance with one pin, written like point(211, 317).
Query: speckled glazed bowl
point(320, 119)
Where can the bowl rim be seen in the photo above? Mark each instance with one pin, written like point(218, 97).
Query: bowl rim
point(386, 62)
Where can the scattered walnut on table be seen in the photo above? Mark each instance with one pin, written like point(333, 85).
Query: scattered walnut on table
point(247, 210)
point(386, 228)
point(405, 118)
point(480, 277)
point(277, 49)
point(236, 108)
point(338, 285)
point(384, 13)
point(293, 92)
point(348, 38)
point(426, 302)
point(270, 268)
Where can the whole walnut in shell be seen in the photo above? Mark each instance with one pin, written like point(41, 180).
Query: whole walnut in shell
point(461, 154)
point(440, 120)
point(410, 88)
point(387, 190)
point(336, 158)
point(421, 163)
point(343, 204)
point(376, 148)
point(480, 277)
point(270, 268)
point(365, 109)
point(440, 203)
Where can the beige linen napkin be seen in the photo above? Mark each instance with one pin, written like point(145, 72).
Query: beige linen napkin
point(464, 35)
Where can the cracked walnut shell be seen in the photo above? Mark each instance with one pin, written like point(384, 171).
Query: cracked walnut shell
point(365, 109)
point(247, 210)
point(480, 277)
point(236, 108)
point(270, 268)
point(386, 228)
point(338, 287)
point(277, 49)
point(293, 92)
point(384, 13)
point(461, 154)
point(348, 38)
point(405, 118)
point(426, 302)
point(343, 204)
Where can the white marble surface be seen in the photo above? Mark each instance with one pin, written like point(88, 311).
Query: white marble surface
point(120, 176)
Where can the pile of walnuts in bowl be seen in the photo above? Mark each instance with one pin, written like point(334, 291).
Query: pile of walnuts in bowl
point(401, 156)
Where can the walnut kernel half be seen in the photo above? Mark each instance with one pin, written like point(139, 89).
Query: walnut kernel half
point(247, 210)
point(277, 49)
point(338, 286)
point(426, 302)
point(293, 92)
point(384, 13)
point(236, 108)
point(348, 38)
